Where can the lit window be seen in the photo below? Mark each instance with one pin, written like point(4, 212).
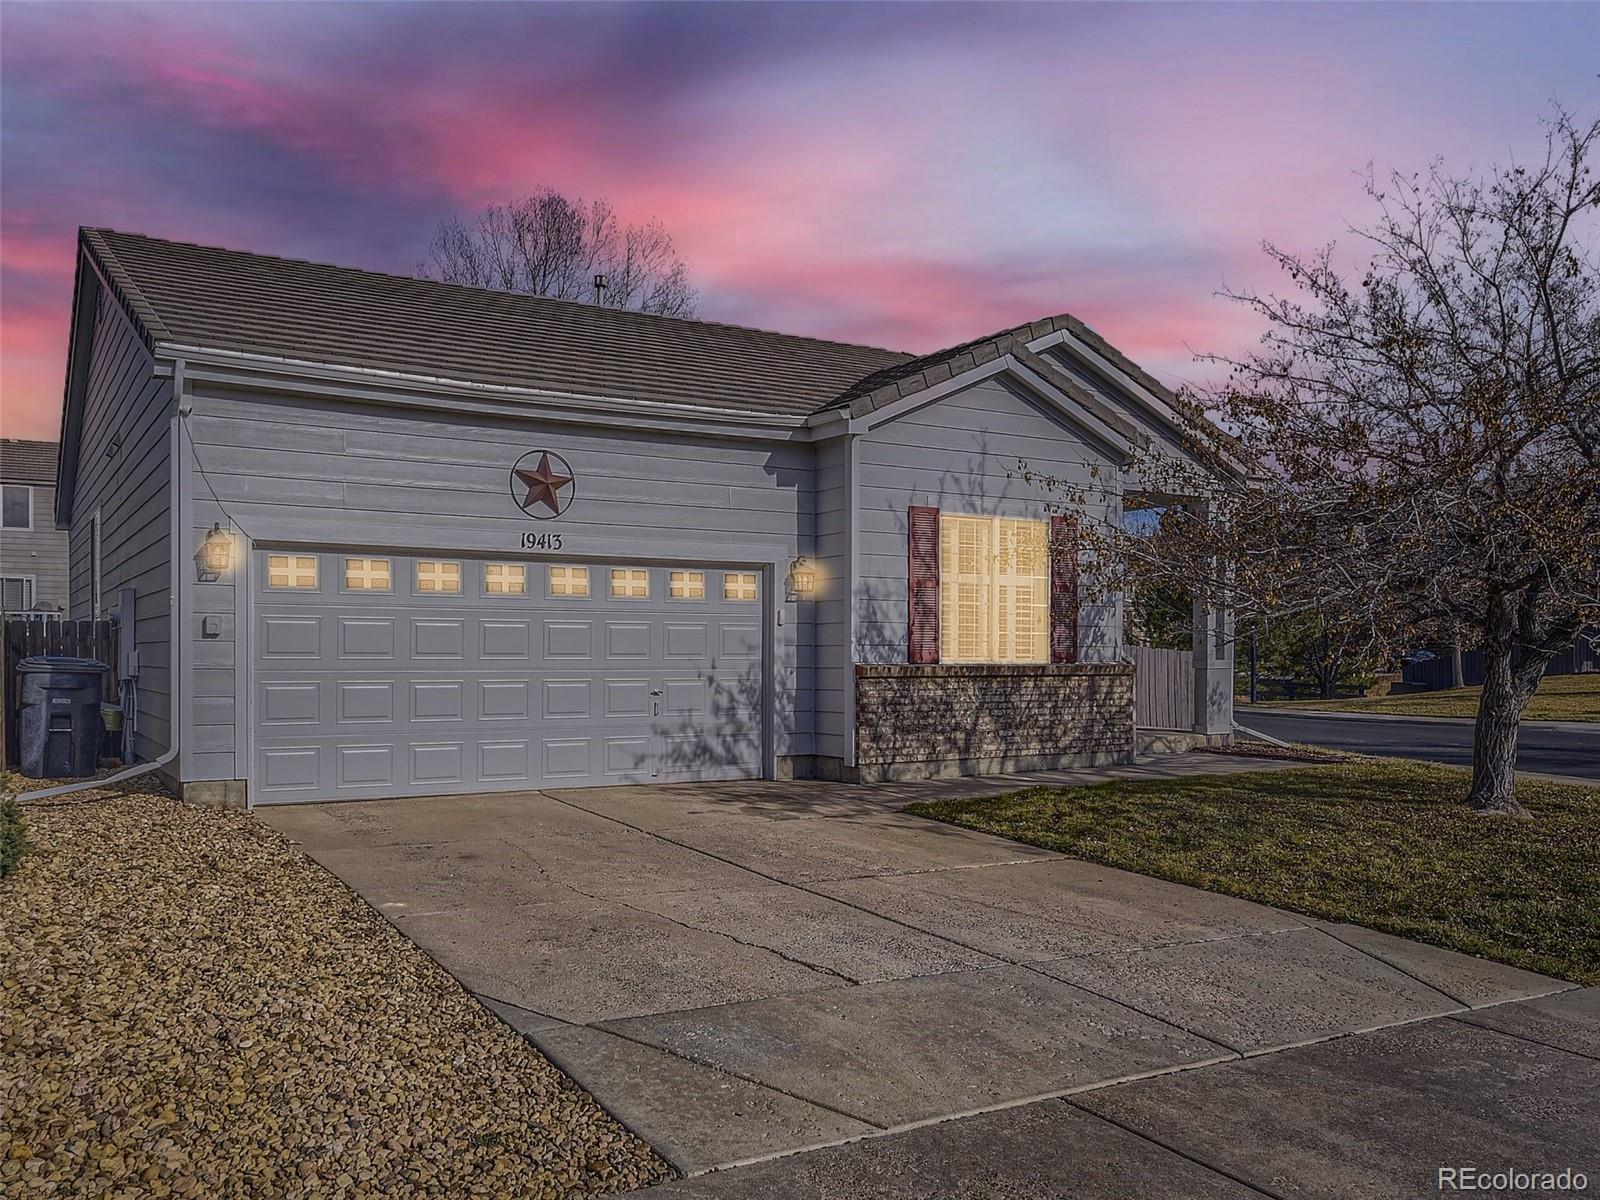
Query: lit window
point(505, 579)
point(291, 570)
point(16, 506)
point(739, 585)
point(438, 576)
point(994, 589)
point(631, 583)
point(569, 581)
point(366, 574)
point(687, 585)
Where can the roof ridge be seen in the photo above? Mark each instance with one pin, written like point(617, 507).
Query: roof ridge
point(496, 292)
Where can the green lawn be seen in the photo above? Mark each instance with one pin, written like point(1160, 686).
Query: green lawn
point(1559, 698)
point(1386, 844)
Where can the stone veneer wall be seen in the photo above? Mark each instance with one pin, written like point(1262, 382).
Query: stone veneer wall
point(969, 719)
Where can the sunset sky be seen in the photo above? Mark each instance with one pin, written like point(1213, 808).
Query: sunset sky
point(904, 175)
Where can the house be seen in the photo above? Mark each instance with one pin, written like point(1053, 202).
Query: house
point(382, 536)
point(33, 552)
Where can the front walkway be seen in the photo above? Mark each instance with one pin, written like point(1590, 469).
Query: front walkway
point(740, 971)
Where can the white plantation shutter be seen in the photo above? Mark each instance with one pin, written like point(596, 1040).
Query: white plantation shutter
point(994, 589)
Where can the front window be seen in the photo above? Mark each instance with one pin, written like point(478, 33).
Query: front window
point(293, 571)
point(16, 506)
point(994, 589)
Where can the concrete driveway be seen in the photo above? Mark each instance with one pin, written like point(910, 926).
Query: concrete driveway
point(742, 971)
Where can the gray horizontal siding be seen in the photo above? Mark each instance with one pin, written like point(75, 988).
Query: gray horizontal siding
point(336, 474)
point(124, 473)
point(967, 453)
point(39, 553)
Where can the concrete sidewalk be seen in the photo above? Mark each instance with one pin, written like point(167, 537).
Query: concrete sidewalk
point(744, 971)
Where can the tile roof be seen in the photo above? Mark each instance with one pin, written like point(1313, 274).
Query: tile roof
point(232, 300)
point(27, 462)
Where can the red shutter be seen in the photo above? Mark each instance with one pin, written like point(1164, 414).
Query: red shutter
point(922, 541)
point(1063, 589)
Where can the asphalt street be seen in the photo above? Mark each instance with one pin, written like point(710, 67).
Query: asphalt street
point(1552, 748)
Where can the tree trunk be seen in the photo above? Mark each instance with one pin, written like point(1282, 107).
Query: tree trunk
point(1494, 741)
point(1458, 677)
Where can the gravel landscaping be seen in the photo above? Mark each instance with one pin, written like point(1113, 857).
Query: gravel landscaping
point(194, 1009)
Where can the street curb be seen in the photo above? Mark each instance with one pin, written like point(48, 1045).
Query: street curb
point(1560, 726)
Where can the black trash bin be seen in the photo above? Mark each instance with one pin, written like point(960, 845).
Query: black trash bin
point(58, 719)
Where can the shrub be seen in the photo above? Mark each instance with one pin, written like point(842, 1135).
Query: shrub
point(11, 835)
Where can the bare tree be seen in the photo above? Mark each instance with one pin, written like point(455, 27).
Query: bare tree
point(546, 245)
point(1424, 433)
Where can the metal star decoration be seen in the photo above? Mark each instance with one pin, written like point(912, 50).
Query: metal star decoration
point(543, 485)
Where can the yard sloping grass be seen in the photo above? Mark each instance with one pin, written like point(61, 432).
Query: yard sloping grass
point(192, 1008)
point(1386, 844)
point(1559, 698)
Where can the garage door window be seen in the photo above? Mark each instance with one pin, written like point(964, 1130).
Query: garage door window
point(630, 583)
point(739, 585)
point(687, 585)
point(367, 575)
point(569, 581)
point(292, 571)
point(433, 576)
point(505, 579)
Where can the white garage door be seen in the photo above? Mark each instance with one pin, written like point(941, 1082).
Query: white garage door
point(392, 675)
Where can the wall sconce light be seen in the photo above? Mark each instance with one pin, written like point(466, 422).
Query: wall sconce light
point(801, 582)
point(215, 555)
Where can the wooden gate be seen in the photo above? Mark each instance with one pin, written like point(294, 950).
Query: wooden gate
point(26, 637)
point(1163, 688)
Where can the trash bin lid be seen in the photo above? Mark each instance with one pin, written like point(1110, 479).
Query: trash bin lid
point(45, 662)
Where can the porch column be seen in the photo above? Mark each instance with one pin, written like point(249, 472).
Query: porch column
point(1213, 668)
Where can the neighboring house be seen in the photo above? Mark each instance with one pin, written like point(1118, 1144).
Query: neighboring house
point(415, 538)
point(33, 552)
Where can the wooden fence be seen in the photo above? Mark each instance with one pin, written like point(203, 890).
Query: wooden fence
point(1163, 688)
point(29, 637)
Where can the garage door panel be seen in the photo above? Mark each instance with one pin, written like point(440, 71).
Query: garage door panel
point(369, 638)
point(503, 762)
point(438, 700)
point(686, 640)
point(627, 639)
point(434, 763)
point(628, 698)
point(291, 637)
point(567, 699)
point(366, 702)
point(365, 766)
point(286, 702)
point(366, 694)
point(627, 756)
point(504, 640)
point(568, 639)
point(433, 638)
point(503, 699)
point(568, 758)
point(291, 768)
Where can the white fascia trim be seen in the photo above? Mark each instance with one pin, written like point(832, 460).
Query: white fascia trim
point(1074, 412)
point(1141, 396)
point(374, 385)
